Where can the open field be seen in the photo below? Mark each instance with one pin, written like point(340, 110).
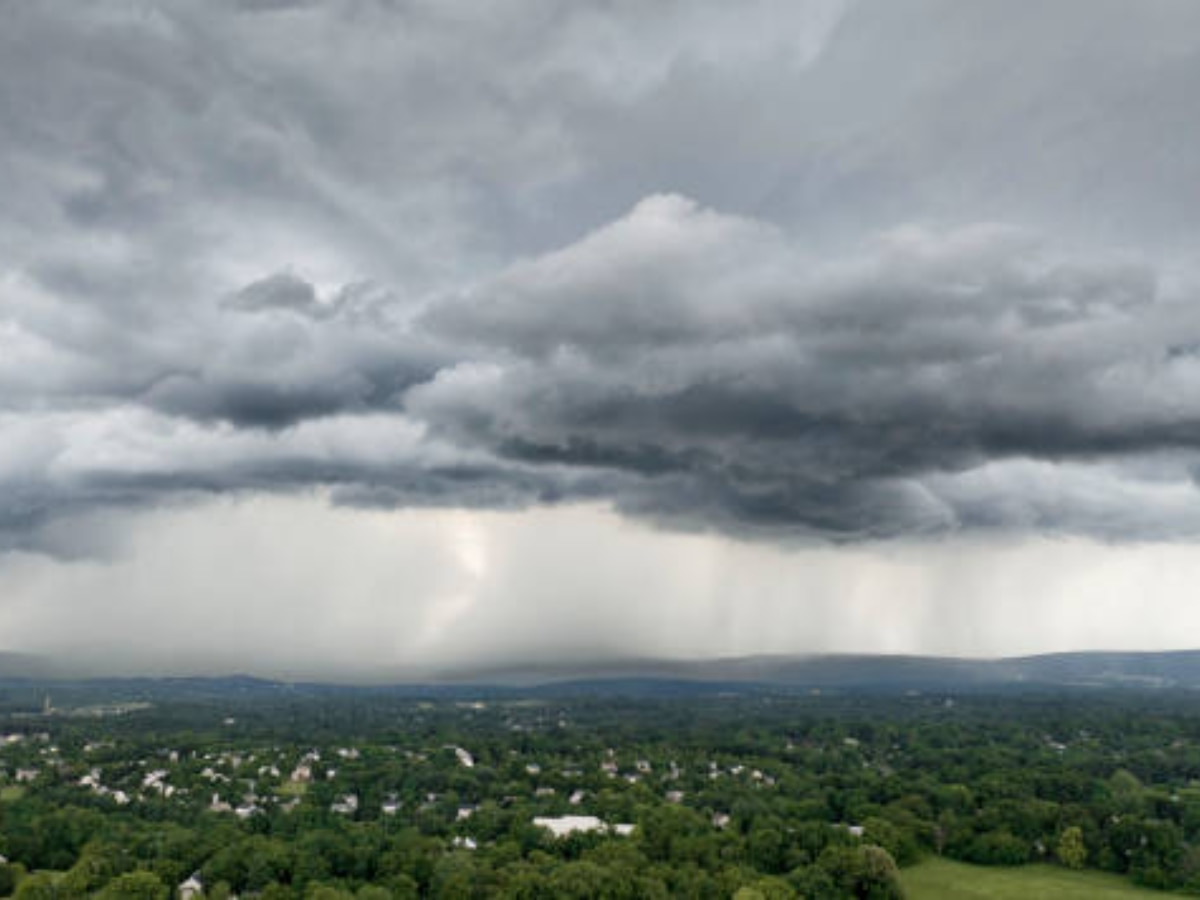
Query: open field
point(941, 878)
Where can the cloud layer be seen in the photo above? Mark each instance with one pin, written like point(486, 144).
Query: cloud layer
point(814, 270)
point(698, 368)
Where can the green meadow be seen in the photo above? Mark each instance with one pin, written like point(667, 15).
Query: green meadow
point(936, 879)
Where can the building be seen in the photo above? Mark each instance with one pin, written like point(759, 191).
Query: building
point(192, 888)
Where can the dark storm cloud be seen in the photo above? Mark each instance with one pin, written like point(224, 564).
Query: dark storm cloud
point(725, 268)
point(275, 354)
point(846, 396)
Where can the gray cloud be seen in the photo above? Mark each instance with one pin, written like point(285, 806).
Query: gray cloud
point(731, 270)
point(848, 397)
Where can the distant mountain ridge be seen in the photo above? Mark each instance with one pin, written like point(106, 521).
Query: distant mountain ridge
point(27, 665)
point(1158, 669)
point(1147, 670)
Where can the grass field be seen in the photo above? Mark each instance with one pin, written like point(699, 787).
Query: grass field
point(11, 792)
point(942, 879)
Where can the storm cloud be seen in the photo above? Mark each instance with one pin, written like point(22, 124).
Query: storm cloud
point(821, 271)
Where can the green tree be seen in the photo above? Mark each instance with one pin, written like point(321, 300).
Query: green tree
point(39, 886)
point(97, 865)
point(326, 892)
point(1070, 849)
point(864, 871)
point(765, 847)
point(403, 887)
point(135, 886)
point(1126, 791)
point(454, 877)
point(766, 889)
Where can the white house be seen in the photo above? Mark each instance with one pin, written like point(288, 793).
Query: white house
point(561, 826)
point(192, 888)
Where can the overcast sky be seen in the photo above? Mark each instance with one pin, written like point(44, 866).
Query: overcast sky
point(347, 337)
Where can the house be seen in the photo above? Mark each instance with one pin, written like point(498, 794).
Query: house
point(561, 826)
point(191, 889)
